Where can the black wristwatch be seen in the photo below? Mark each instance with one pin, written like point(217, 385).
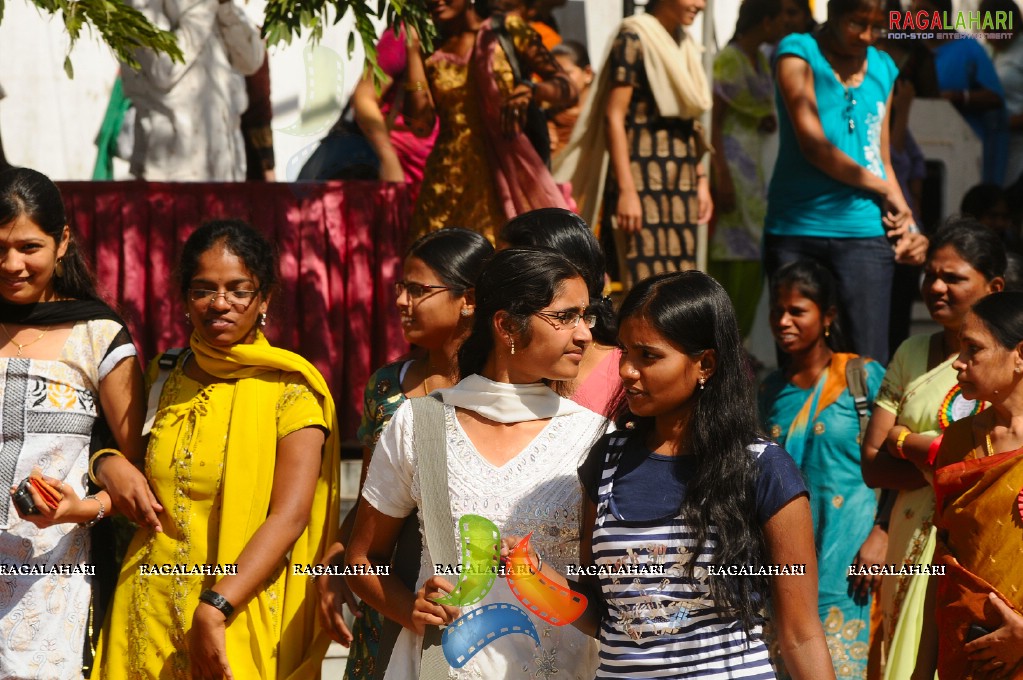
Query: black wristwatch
point(217, 601)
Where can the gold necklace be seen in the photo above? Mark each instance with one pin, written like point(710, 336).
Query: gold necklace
point(20, 346)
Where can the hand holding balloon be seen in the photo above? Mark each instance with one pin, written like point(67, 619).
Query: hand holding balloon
point(426, 612)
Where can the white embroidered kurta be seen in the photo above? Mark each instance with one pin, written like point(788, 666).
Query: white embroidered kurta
point(47, 412)
point(538, 491)
point(188, 115)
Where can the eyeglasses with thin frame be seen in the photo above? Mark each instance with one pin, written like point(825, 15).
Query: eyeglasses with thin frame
point(240, 299)
point(417, 290)
point(858, 27)
point(568, 318)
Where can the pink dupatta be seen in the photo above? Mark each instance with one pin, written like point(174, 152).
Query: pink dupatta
point(523, 182)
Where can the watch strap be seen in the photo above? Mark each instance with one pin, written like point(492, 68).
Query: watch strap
point(217, 601)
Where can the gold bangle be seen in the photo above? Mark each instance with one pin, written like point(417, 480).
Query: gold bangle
point(899, 453)
point(95, 457)
point(415, 86)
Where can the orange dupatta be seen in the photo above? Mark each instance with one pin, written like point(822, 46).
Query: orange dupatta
point(980, 542)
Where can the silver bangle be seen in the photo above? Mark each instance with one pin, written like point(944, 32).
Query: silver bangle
point(913, 228)
point(99, 515)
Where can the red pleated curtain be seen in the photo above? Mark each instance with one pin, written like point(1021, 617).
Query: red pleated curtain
point(340, 246)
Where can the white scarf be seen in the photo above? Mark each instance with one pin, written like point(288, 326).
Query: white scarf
point(507, 403)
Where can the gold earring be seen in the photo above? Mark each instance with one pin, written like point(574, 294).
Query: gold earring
point(513, 346)
point(703, 382)
point(58, 269)
point(827, 331)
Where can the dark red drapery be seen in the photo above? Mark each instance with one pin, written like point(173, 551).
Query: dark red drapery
point(340, 247)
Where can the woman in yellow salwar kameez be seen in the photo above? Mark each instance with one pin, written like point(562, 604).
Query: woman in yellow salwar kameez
point(918, 398)
point(243, 456)
point(979, 486)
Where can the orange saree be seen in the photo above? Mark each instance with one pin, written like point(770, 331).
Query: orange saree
point(980, 542)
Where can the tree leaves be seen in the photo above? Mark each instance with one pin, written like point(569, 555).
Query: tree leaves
point(126, 30)
point(123, 28)
point(286, 19)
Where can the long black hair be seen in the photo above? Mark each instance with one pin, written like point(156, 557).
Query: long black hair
point(1002, 314)
point(692, 311)
point(27, 193)
point(240, 238)
point(565, 232)
point(814, 282)
point(455, 255)
point(520, 282)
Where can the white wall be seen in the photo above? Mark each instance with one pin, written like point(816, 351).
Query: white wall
point(49, 122)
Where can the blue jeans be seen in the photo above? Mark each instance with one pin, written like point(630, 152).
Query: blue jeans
point(863, 269)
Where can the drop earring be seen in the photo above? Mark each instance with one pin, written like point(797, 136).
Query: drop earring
point(513, 347)
point(188, 316)
point(58, 269)
point(827, 331)
point(262, 319)
point(703, 382)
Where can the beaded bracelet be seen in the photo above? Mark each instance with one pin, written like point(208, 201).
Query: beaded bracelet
point(99, 515)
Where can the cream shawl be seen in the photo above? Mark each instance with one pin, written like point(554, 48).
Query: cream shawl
point(676, 75)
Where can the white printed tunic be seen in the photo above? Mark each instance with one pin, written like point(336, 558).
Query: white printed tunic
point(47, 413)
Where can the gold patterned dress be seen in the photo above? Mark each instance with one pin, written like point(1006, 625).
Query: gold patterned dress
point(663, 155)
point(461, 183)
point(146, 632)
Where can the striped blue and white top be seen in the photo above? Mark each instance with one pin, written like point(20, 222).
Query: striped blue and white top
point(661, 623)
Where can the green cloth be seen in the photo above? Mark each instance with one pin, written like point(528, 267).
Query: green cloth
point(109, 131)
point(743, 280)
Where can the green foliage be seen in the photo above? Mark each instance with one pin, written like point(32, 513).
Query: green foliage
point(121, 27)
point(286, 19)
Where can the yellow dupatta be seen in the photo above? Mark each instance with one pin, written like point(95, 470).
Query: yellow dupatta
point(248, 480)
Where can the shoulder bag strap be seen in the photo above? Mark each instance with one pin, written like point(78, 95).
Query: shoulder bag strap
point(438, 523)
point(856, 379)
point(505, 40)
point(167, 361)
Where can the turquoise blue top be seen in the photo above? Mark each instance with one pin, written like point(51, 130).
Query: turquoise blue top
point(826, 449)
point(802, 200)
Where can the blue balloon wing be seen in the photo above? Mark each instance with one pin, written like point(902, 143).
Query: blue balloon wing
point(471, 632)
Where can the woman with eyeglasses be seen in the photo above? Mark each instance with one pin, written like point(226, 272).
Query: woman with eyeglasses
point(244, 454)
point(510, 446)
point(565, 232)
point(833, 195)
point(436, 300)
